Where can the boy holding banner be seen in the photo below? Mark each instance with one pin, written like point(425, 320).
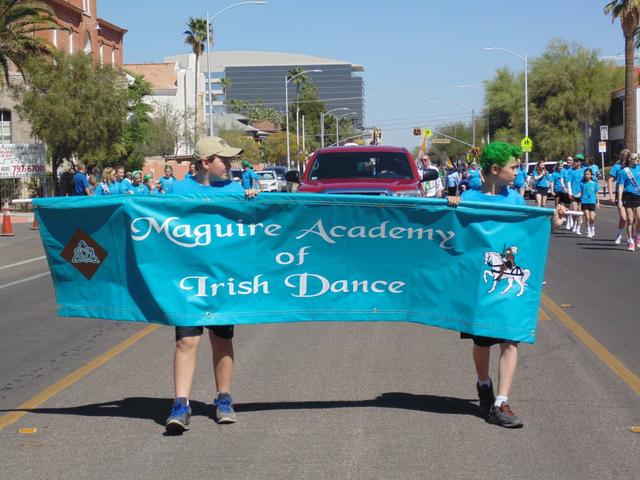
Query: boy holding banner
point(213, 164)
point(499, 166)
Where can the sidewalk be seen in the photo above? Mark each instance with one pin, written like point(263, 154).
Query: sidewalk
point(336, 401)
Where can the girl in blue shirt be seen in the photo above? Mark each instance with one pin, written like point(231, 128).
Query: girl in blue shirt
point(520, 179)
point(612, 182)
point(629, 196)
point(542, 182)
point(475, 177)
point(108, 184)
point(557, 178)
point(589, 199)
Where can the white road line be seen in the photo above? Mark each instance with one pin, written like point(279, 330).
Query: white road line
point(36, 259)
point(24, 280)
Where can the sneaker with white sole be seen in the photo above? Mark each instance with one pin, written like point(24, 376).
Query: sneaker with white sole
point(180, 417)
point(631, 246)
point(504, 416)
point(618, 240)
point(224, 412)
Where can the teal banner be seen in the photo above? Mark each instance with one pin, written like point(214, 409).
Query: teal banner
point(222, 259)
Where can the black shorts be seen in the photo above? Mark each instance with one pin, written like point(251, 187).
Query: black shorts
point(485, 341)
point(629, 200)
point(588, 207)
point(220, 331)
point(544, 191)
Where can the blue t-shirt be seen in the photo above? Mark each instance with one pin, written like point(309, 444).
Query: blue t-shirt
point(544, 181)
point(167, 183)
point(521, 175)
point(140, 189)
point(474, 178)
point(124, 186)
point(557, 178)
point(507, 196)
point(628, 185)
point(575, 178)
point(453, 179)
point(190, 185)
point(80, 183)
point(594, 170)
point(613, 173)
point(247, 176)
point(589, 190)
point(111, 189)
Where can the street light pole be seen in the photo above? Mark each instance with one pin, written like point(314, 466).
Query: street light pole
point(473, 113)
point(322, 116)
point(481, 90)
point(526, 88)
point(209, 22)
point(287, 79)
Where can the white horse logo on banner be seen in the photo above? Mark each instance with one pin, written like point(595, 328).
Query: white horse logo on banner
point(504, 267)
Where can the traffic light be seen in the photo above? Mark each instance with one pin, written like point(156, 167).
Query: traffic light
point(475, 151)
point(417, 131)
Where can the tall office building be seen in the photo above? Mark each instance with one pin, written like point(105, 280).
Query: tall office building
point(254, 76)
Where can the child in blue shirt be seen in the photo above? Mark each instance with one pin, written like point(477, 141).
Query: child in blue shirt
point(557, 179)
point(629, 197)
point(613, 192)
point(576, 174)
point(499, 166)
point(589, 199)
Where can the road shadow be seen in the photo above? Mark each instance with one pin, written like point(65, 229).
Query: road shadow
point(157, 409)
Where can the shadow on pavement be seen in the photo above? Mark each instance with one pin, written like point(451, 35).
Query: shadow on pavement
point(157, 409)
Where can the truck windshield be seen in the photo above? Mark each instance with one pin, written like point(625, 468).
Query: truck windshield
point(361, 165)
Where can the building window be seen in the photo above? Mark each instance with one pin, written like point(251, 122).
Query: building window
point(5, 126)
point(101, 54)
point(87, 44)
point(54, 38)
point(616, 112)
point(86, 6)
point(70, 42)
point(113, 56)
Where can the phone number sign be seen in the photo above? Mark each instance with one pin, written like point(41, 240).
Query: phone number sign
point(22, 160)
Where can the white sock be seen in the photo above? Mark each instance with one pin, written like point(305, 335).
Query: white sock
point(484, 383)
point(500, 399)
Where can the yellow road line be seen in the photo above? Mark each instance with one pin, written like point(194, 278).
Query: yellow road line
point(596, 347)
point(72, 378)
point(543, 316)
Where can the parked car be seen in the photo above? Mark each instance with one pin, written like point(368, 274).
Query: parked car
point(363, 170)
point(236, 175)
point(280, 173)
point(268, 181)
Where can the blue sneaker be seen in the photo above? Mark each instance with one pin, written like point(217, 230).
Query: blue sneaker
point(180, 416)
point(224, 412)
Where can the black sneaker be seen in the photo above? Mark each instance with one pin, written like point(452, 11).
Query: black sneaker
point(504, 416)
point(180, 416)
point(486, 396)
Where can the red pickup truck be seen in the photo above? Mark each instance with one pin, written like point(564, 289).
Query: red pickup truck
point(363, 170)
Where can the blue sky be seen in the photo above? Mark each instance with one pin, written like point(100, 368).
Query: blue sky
point(410, 48)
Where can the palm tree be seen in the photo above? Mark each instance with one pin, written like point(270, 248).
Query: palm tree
point(628, 11)
point(196, 36)
point(19, 20)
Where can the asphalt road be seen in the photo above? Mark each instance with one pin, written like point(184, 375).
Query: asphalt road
point(327, 400)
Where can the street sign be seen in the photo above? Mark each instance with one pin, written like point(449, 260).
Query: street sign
point(427, 133)
point(604, 133)
point(602, 147)
point(526, 144)
point(440, 140)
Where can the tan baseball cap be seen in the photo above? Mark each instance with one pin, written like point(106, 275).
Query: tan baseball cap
point(209, 146)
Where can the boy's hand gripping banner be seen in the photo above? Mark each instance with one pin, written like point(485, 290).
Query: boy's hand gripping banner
point(213, 260)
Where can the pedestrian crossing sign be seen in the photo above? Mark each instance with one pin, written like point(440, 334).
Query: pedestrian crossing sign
point(526, 144)
point(427, 133)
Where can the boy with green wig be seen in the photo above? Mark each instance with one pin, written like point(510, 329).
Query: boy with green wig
point(499, 167)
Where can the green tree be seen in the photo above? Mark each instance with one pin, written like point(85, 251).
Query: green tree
point(628, 12)
point(196, 36)
point(78, 108)
point(169, 131)
point(239, 139)
point(504, 105)
point(19, 21)
point(138, 127)
point(274, 148)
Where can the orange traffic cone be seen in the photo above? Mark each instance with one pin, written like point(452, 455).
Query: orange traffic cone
point(7, 228)
point(35, 226)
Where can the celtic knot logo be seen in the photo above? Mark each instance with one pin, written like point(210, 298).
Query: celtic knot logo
point(83, 253)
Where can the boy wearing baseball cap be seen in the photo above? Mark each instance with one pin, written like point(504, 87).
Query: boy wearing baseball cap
point(213, 164)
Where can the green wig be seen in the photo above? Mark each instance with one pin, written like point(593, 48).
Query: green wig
point(498, 153)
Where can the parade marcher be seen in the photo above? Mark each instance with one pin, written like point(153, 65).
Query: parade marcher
point(499, 166)
point(475, 176)
point(213, 167)
point(81, 185)
point(542, 182)
point(557, 179)
point(107, 185)
point(595, 170)
point(167, 181)
point(575, 176)
point(589, 200)
point(150, 185)
point(613, 185)
point(137, 186)
point(123, 184)
point(432, 188)
point(192, 170)
point(629, 195)
point(249, 178)
point(566, 198)
point(453, 180)
point(521, 178)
